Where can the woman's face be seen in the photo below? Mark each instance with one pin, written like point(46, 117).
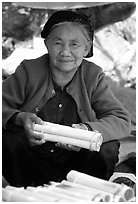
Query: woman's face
point(66, 47)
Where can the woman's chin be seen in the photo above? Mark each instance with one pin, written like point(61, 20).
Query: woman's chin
point(66, 67)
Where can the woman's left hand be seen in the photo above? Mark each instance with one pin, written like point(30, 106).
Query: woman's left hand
point(68, 147)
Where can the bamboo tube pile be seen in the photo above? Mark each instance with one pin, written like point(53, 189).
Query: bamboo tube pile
point(120, 190)
point(64, 134)
point(78, 187)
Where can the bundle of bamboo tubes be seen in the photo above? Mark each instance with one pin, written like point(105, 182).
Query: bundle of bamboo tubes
point(78, 187)
point(114, 189)
point(64, 134)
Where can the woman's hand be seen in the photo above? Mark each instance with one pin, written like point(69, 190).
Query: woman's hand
point(27, 120)
point(80, 126)
point(68, 147)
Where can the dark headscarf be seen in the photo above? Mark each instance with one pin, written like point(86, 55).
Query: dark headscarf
point(69, 16)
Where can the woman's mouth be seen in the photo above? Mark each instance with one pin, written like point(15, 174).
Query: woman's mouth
point(66, 61)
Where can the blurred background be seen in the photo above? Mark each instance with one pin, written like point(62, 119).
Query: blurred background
point(114, 42)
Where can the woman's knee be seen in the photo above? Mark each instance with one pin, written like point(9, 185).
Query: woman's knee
point(111, 146)
point(110, 150)
point(12, 141)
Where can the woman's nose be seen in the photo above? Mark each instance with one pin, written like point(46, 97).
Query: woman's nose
point(65, 51)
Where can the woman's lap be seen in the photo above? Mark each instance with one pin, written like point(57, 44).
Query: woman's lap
point(23, 165)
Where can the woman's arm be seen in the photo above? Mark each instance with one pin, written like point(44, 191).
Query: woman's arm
point(113, 121)
point(13, 93)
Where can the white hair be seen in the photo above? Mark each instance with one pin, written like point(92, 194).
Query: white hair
point(85, 32)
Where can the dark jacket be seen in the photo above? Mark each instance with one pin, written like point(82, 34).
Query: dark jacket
point(96, 105)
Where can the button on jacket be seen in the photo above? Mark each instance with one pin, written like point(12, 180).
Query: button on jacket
point(31, 86)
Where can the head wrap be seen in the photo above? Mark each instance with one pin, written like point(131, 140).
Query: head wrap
point(69, 16)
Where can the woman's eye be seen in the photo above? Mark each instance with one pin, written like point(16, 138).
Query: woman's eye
point(57, 43)
point(75, 44)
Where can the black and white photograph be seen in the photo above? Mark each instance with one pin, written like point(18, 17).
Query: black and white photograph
point(68, 101)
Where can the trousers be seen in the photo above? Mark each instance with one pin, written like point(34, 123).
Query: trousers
point(24, 165)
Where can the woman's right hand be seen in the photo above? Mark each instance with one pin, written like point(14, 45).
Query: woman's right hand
point(27, 120)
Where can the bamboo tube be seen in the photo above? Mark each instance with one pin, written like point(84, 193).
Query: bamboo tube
point(64, 134)
point(72, 141)
point(82, 192)
point(79, 196)
point(66, 131)
point(36, 196)
point(62, 139)
point(123, 191)
point(106, 197)
point(46, 191)
point(15, 196)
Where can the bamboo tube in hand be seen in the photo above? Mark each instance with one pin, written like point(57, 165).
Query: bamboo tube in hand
point(59, 133)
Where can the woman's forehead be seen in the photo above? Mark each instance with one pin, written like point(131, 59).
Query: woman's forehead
point(67, 29)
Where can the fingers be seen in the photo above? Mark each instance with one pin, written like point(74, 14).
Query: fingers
point(39, 121)
point(75, 125)
point(35, 138)
point(68, 147)
point(80, 126)
point(31, 132)
point(28, 120)
point(35, 142)
point(74, 148)
point(62, 145)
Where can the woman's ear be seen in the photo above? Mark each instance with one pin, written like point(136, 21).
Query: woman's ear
point(45, 42)
point(87, 50)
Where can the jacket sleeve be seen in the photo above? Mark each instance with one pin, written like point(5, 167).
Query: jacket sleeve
point(13, 93)
point(113, 121)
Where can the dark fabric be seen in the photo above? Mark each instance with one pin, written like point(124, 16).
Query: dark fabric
point(68, 16)
point(65, 115)
point(11, 122)
point(60, 109)
point(127, 166)
point(23, 165)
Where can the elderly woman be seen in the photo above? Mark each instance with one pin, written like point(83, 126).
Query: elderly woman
point(60, 87)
